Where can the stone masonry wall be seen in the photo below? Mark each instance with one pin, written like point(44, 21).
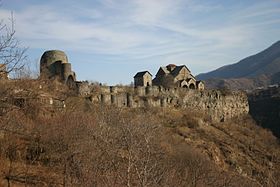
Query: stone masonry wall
point(219, 106)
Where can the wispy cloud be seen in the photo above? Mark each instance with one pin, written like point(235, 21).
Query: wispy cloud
point(183, 31)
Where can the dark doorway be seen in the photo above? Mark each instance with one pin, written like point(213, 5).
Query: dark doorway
point(192, 86)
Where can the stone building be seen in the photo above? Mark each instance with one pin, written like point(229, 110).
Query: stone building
point(200, 85)
point(177, 76)
point(54, 65)
point(143, 78)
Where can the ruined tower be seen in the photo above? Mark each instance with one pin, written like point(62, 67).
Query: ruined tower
point(54, 65)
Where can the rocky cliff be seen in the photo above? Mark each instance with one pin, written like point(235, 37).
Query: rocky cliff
point(217, 105)
point(265, 108)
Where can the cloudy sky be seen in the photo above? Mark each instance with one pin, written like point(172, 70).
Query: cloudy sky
point(110, 40)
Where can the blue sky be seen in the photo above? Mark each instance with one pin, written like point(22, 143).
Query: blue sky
point(110, 40)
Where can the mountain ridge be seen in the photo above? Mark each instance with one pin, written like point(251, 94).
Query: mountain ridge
point(253, 63)
point(260, 69)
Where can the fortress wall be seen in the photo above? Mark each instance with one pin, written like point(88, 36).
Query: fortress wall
point(217, 105)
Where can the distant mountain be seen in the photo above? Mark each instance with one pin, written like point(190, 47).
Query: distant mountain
point(254, 71)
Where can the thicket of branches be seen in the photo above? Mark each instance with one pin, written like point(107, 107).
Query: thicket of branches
point(12, 55)
point(100, 146)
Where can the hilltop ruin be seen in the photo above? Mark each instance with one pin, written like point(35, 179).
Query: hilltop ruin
point(184, 91)
point(54, 65)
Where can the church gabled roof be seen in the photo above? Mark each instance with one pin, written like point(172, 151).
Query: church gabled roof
point(177, 70)
point(198, 82)
point(141, 74)
point(192, 76)
point(164, 70)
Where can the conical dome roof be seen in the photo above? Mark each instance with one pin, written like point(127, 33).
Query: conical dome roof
point(49, 57)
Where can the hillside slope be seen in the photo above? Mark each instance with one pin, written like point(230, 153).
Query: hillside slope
point(106, 146)
point(88, 144)
point(257, 70)
point(266, 62)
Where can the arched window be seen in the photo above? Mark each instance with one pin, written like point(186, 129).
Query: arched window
point(192, 86)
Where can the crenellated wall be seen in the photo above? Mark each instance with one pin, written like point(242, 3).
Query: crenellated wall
point(219, 106)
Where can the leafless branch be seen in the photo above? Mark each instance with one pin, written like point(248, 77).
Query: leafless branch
point(12, 55)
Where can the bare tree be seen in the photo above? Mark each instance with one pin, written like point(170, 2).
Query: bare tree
point(30, 70)
point(12, 55)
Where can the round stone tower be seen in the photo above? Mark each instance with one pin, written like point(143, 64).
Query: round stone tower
point(54, 65)
point(50, 63)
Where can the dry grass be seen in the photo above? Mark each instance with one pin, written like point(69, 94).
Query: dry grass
point(87, 145)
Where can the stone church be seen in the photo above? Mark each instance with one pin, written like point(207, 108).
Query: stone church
point(169, 76)
point(143, 78)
